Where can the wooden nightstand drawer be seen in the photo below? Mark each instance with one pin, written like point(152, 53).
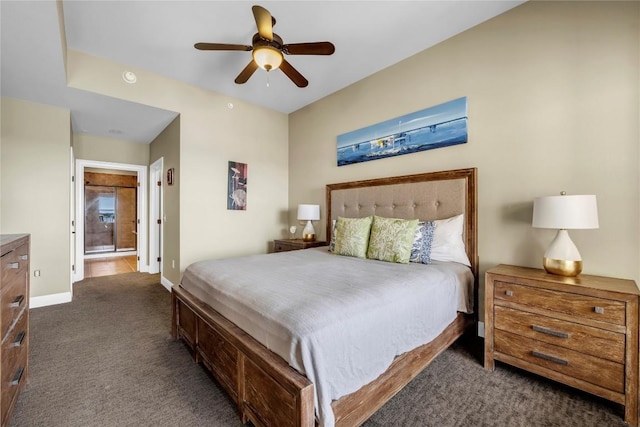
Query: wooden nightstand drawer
point(601, 372)
point(578, 305)
point(285, 245)
point(593, 341)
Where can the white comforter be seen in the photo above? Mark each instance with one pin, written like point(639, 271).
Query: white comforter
point(338, 320)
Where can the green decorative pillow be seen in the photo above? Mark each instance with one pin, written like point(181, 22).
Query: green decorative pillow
point(352, 236)
point(391, 239)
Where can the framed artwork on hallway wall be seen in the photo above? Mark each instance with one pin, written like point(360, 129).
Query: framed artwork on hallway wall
point(237, 186)
point(170, 173)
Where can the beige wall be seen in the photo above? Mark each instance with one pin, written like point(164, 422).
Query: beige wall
point(101, 149)
point(167, 146)
point(35, 188)
point(211, 135)
point(553, 104)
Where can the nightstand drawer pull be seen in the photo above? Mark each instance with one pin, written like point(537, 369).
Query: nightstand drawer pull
point(508, 293)
point(23, 257)
point(550, 331)
point(599, 310)
point(549, 358)
point(14, 265)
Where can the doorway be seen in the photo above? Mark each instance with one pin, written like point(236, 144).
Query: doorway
point(109, 224)
point(110, 213)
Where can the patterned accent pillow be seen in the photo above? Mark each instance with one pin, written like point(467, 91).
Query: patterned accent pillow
point(421, 249)
point(391, 239)
point(332, 242)
point(352, 236)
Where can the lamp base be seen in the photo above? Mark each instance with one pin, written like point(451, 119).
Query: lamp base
point(562, 267)
point(309, 233)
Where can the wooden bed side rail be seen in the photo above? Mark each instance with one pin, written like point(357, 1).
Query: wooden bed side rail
point(355, 408)
point(266, 389)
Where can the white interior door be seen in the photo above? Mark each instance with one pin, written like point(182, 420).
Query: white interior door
point(155, 216)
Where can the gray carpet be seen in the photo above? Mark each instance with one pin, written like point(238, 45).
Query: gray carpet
point(107, 359)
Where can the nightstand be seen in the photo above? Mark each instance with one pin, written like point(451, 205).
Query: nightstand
point(285, 245)
point(581, 331)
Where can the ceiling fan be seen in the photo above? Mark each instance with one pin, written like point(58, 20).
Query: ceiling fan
point(268, 48)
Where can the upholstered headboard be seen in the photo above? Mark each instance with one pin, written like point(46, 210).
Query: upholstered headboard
point(428, 196)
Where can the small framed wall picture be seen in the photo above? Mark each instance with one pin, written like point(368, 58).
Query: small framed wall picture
point(237, 186)
point(170, 172)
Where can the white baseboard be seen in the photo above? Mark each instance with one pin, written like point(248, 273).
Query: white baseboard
point(46, 300)
point(166, 283)
point(481, 329)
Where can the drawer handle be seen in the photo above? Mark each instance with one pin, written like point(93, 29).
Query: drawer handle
point(17, 302)
point(508, 293)
point(19, 338)
point(549, 358)
point(23, 257)
point(550, 331)
point(14, 265)
point(599, 310)
point(17, 377)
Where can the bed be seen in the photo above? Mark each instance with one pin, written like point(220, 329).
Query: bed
point(274, 382)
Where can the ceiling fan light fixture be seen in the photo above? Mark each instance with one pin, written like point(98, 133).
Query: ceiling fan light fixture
point(267, 57)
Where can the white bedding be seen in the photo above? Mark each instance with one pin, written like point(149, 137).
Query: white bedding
point(338, 320)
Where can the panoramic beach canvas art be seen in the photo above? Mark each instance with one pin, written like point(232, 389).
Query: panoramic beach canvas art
point(237, 187)
point(434, 127)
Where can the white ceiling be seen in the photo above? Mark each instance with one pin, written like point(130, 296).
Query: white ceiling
point(158, 36)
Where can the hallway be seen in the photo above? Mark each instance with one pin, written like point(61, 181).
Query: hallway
point(97, 267)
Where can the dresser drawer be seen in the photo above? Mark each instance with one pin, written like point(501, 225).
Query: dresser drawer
point(13, 298)
point(14, 265)
point(14, 374)
point(601, 372)
point(17, 337)
point(580, 306)
point(586, 339)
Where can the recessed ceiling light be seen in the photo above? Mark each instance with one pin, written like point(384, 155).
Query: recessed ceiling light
point(129, 77)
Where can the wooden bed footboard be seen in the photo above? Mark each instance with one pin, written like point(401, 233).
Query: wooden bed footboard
point(266, 390)
point(269, 392)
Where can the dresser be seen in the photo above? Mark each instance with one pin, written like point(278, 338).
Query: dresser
point(581, 331)
point(14, 320)
point(285, 245)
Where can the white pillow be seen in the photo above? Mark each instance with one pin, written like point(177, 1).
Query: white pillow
point(447, 240)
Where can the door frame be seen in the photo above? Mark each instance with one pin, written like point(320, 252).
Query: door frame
point(141, 248)
point(156, 212)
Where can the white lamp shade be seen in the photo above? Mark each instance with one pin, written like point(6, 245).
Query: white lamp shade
point(308, 212)
point(565, 212)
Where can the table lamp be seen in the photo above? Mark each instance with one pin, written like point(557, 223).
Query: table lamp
point(564, 213)
point(308, 213)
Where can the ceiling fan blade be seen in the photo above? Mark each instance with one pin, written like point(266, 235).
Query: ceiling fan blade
point(317, 48)
point(263, 22)
point(221, 46)
point(293, 74)
point(247, 72)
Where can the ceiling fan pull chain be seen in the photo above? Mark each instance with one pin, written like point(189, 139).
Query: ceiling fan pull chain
point(267, 78)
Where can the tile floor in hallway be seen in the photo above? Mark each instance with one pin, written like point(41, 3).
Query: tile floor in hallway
point(96, 267)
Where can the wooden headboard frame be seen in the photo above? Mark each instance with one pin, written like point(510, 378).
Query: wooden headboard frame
point(427, 196)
